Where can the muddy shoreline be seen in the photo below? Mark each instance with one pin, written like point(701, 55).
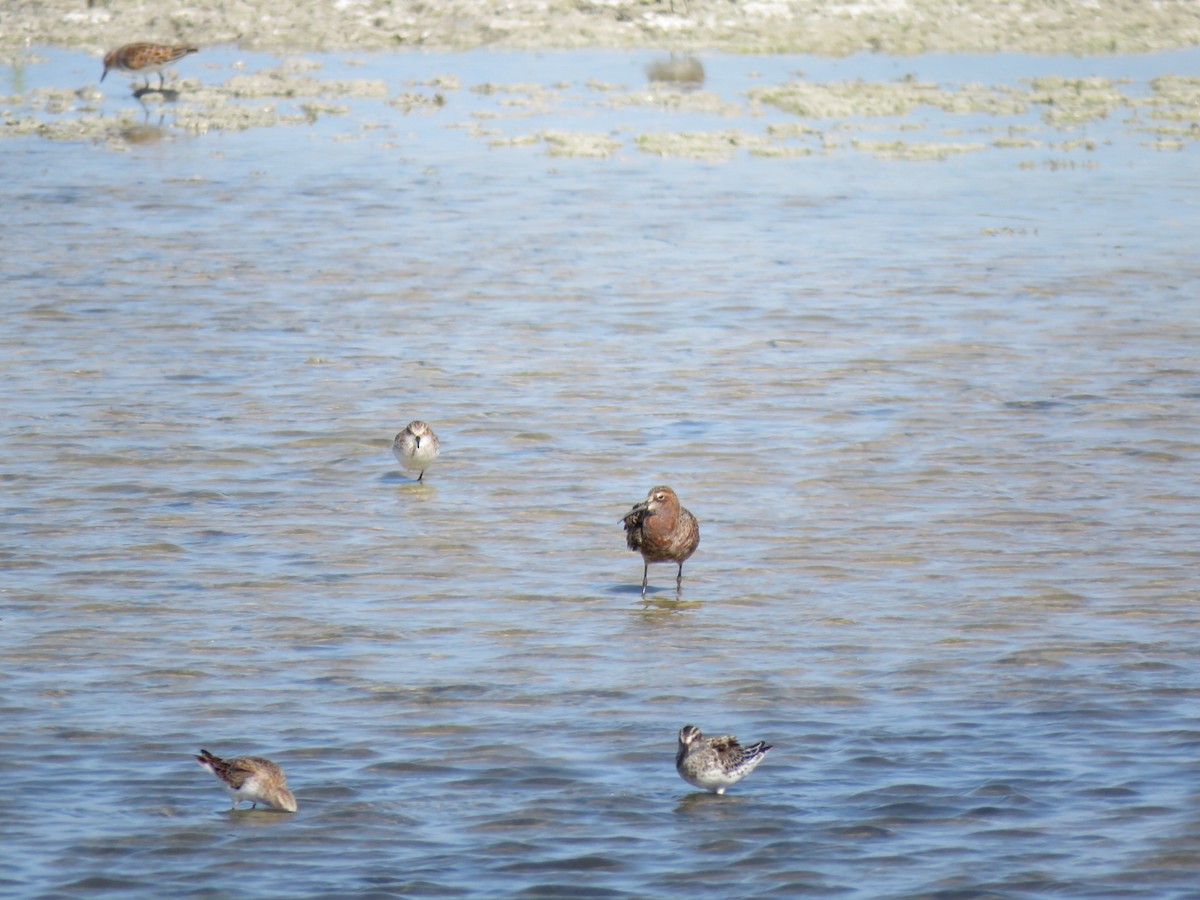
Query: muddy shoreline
point(297, 90)
point(823, 27)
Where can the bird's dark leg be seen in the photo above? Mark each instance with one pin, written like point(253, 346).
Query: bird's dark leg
point(421, 477)
point(645, 576)
point(679, 581)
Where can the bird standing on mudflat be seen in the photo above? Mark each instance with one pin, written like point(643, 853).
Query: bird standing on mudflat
point(251, 778)
point(662, 531)
point(715, 763)
point(416, 447)
point(144, 58)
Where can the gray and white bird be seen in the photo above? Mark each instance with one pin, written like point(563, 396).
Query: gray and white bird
point(416, 447)
point(715, 763)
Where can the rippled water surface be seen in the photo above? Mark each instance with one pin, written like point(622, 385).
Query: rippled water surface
point(938, 421)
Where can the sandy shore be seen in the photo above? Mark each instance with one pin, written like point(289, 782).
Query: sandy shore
point(827, 27)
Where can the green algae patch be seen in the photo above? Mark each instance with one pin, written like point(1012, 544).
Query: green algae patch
point(55, 101)
point(660, 95)
point(1164, 145)
point(84, 128)
point(414, 101)
point(793, 130)
point(521, 140)
point(219, 114)
point(315, 109)
point(1174, 108)
point(838, 100)
point(595, 145)
point(563, 143)
point(532, 89)
point(914, 151)
point(515, 100)
point(1072, 101)
point(858, 98)
point(1176, 90)
point(1015, 142)
point(280, 82)
point(707, 145)
point(781, 151)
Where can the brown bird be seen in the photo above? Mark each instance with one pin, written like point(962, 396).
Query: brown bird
point(251, 778)
point(662, 531)
point(143, 58)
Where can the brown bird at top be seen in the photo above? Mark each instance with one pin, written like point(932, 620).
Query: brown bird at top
point(143, 58)
point(662, 531)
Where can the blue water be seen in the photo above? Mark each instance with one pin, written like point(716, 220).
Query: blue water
point(937, 420)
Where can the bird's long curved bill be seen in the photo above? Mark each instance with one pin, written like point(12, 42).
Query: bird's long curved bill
point(638, 508)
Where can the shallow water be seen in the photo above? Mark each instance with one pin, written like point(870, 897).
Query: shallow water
point(938, 421)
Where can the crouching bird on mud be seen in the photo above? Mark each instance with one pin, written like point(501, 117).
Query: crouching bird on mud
point(662, 531)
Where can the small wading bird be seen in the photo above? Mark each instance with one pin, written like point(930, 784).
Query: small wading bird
point(416, 447)
point(662, 531)
point(251, 778)
point(715, 763)
point(142, 59)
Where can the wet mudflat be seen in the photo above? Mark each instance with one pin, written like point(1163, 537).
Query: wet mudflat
point(913, 338)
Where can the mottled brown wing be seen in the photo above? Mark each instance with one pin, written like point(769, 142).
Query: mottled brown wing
point(686, 537)
point(728, 750)
point(234, 772)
